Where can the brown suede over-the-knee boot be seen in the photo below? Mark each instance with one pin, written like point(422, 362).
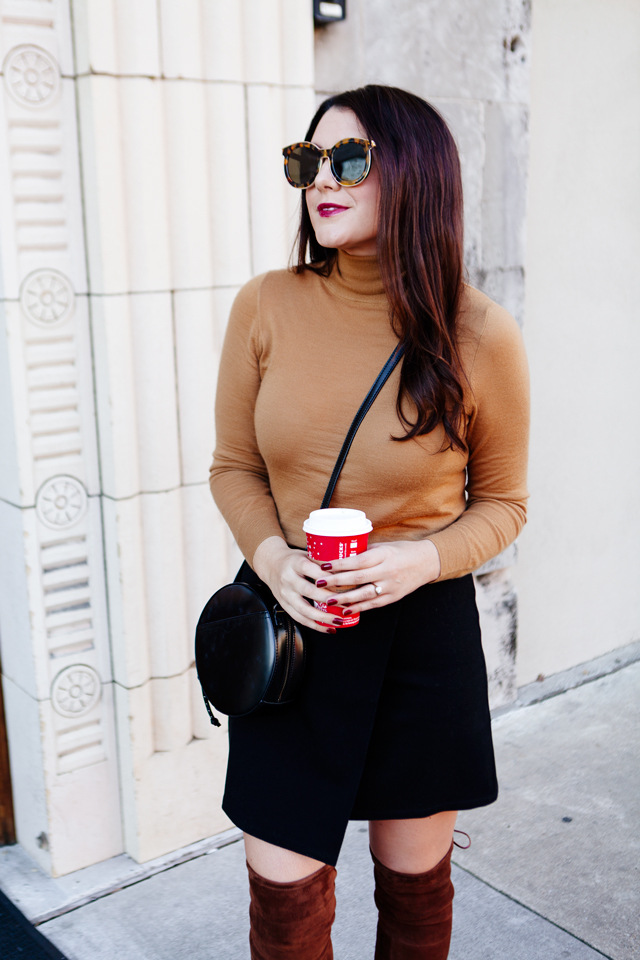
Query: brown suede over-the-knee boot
point(292, 921)
point(414, 912)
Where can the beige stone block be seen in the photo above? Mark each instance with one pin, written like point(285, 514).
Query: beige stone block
point(83, 394)
point(517, 48)
point(339, 54)
point(229, 186)
point(125, 570)
point(263, 54)
point(439, 49)
point(270, 228)
point(172, 719)
point(84, 816)
point(497, 607)
point(181, 37)
point(506, 285)
point(466, 120)
point(134, 719)
point(505, 185)
point(179, 795)
point(155, 390)
point(27, 663)
point(26, 755)
point(98, 588)
point(105, 198)
point(144, 139)
point(197, 358)
point(135, 381)
point(223, 298)
point(134, 713)
point(170, 647)
point(138, 37)
point(15, 411)
point(299, 108)
point(188, 189)
point(15, 621)
point(37, 23)
point(222, 40)
point(206, 552)
point(115, 384)
point(65, 779)
point(96, 43)
point(10, 274)
point(297, 43)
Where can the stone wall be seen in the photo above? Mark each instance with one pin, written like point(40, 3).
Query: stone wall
point(140, 186)
point(471, 61)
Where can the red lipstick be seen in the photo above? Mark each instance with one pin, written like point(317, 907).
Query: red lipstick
point(330, 209)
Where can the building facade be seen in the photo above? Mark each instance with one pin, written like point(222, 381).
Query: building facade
point(140, 187)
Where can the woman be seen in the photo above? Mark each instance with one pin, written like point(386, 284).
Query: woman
point(391, 724)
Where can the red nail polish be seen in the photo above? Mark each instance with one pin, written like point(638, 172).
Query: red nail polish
point(331, 629)
point(325, 566)
point(332, 602)
point(338, 621)
point(347, 613)
point(321, 583)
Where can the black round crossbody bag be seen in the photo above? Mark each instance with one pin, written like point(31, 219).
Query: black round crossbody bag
point(249, 651)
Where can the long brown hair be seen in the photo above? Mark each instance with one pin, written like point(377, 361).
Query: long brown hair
point(419, 242)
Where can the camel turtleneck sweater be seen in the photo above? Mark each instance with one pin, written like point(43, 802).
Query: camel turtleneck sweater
point(300, 354)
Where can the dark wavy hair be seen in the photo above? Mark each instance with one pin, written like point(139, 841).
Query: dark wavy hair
point(419, 243)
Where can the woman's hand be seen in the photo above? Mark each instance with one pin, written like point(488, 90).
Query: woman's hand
point(397, 568)
point(285, 571)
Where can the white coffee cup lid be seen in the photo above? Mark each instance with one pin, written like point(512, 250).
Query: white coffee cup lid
point(337, 522)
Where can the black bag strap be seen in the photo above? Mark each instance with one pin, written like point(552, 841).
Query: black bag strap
point(363, 410)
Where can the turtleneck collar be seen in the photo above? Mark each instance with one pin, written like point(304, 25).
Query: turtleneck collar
point(357, 278)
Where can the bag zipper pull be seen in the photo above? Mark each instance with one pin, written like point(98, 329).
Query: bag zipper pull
point(214, 720)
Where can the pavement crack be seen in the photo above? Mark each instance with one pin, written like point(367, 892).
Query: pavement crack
point(531, 910)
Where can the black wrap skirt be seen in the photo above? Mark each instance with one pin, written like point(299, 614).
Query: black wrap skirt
point(391, 722)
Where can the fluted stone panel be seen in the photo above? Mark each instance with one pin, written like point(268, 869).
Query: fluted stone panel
point(181, 137)
point(140, 187)
point(53, 607)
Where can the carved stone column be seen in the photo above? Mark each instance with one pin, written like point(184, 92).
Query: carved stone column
point(184, 108)
point(53, 617)
point(140, 186)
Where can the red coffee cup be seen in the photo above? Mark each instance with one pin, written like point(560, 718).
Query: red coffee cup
point(333, 534)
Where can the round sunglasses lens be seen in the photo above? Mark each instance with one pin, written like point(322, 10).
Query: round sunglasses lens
point(350, 162)
point(302, 165)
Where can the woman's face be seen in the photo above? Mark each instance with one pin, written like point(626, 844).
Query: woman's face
point(345, 218)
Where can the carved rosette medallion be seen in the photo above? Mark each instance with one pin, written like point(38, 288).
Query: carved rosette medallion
point(47, 297)
point(61, 502)
point(75, 691)
point(31, 76)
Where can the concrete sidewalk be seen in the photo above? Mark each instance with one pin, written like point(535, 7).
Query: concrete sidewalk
point(554, 870)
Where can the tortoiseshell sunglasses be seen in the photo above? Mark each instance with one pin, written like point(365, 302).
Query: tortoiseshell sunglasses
point(350, 162)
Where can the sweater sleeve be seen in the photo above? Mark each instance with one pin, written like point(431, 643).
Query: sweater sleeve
point(498, 437)
point(238, 477)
